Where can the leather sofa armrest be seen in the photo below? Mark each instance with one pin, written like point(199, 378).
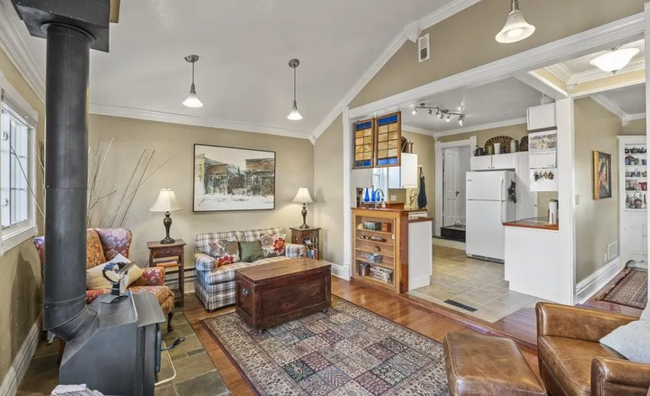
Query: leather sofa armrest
point(619, 377)
point(577, 323)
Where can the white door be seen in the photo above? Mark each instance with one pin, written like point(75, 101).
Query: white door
point(485, 233)
point(451, 186)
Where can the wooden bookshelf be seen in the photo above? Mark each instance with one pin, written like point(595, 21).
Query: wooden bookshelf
point(392, 245)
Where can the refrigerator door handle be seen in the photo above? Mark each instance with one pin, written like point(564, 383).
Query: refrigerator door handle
point(501, 198)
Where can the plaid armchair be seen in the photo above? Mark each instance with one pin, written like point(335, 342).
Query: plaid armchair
point(215, 284)
point(105, 243)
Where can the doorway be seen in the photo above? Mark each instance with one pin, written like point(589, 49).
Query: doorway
point(455, 163)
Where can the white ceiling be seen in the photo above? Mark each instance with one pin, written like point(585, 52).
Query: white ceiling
point(484, 105)
point(630, 100)
point(244, 46)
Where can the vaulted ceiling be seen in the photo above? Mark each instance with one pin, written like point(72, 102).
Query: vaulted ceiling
point(242, 76)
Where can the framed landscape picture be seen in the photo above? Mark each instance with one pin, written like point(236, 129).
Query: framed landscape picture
point(229, 179)
point(602, 175)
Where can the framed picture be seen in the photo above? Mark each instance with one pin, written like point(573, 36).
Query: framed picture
point(602, 175)
point(230, 179)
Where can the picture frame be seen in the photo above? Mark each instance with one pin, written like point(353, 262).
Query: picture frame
point(233, 179)
point(602, 175)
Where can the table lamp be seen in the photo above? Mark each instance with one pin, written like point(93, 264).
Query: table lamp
point(303, 197)
point(166, 202)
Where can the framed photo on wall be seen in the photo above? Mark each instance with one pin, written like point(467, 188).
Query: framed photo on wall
point(230, 179)
point(602, 175)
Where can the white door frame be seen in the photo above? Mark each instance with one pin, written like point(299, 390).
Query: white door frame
point(647, 93)
point(606, 36)
point(439, 146)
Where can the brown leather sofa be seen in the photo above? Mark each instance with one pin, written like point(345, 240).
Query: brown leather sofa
point(572, 362)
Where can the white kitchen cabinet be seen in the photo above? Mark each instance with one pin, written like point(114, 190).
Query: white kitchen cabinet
point(504, 161)
point(406, 175)
point(362, 178)
point(481, 163)
point(541, 117)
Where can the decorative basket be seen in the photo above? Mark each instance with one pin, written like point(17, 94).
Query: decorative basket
point(382, 274)
point(504, 140)
point(374, 258)
point(523, 144)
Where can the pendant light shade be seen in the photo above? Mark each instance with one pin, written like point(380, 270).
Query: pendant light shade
point(192, 99)
point(516, 27)
point(295, 114)
point(614, 60)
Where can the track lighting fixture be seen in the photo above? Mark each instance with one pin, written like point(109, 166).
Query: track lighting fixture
point(441, 113)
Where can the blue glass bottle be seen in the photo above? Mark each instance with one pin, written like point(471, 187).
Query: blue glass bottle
point(366, 197)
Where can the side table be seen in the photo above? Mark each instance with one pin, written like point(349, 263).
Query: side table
point(310, 238)
point(172, 251)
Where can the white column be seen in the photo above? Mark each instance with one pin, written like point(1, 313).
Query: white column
point(566, 195)
point(647, 93)
point(347, 195)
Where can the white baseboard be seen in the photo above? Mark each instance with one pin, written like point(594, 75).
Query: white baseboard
point(21, 361)
point(596, 281)
point(340, 271)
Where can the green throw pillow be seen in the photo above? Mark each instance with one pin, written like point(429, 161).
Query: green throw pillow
point(250, 251)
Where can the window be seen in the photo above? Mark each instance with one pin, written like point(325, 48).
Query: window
point(16, 177)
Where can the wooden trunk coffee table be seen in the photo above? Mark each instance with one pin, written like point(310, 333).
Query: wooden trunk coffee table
point(274, 293)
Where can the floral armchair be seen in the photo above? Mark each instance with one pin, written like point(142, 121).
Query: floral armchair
point(102, 245)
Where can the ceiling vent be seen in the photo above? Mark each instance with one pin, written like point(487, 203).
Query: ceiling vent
point(423, 48)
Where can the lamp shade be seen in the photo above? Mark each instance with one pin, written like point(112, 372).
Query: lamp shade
point(166, 202)
point(613, 61)
point(303, 196)
point(516, 27)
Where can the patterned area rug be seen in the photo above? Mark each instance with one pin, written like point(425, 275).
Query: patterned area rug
point(348, 351)
point(630, 290)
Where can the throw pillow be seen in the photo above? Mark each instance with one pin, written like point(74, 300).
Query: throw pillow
point(226, 249)
point(645, 315)
point(631, 341)
point(251, 251)
point(273, 245)
point(95, 279)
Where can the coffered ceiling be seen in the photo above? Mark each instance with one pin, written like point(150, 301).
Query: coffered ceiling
point(242, 76)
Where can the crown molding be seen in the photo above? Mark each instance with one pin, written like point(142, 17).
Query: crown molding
point(554, 52)
point(159, 116)
point(633, 117)
point(414, 129)
point(611, 106)
point(17, 52)
point(475, 128)
point(425, 22)
point(560, 71)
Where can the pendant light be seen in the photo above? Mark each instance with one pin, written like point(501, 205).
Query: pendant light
point(192, 99)
point(614, 60)
point(516, 27)
point(294, 115)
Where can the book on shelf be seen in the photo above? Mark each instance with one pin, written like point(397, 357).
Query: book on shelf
point(312, 253)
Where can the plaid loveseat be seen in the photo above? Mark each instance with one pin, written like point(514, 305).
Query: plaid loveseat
point(215, 285)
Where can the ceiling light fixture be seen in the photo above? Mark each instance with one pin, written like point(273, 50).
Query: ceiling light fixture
point(294, 115)
point(440, 113)
point(414, 112)
point(516, 27)
point(192, 99)
point(614, 60)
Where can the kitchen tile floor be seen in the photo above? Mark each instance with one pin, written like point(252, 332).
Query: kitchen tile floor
point(474, 283)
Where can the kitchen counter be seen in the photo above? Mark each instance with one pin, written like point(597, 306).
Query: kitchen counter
point(391, 209)
point(539, 223)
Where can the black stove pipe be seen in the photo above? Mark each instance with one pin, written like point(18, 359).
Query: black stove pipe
point(66, 179)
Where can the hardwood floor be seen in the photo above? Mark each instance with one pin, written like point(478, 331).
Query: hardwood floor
point(402, 311)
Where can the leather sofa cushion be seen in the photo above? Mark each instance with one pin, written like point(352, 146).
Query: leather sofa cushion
point(483, 365)
point(570, 361)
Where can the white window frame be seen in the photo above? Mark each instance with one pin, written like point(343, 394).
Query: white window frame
point(21, 232)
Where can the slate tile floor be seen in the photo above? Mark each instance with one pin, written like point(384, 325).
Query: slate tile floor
point(195, 372)
point(478, 284)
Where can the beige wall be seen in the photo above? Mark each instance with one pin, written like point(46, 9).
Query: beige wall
point(596, 221)
point(21, 291)
point(513, 131)
point(636, 127)
point(328, 184)
point(294, 169)
point(466, 40)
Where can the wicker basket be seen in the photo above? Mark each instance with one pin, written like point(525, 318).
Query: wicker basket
point(504, 140)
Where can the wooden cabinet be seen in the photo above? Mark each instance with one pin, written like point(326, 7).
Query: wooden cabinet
point(380, 245)
point(541, 117)
point(310, 238)
point(172, 251)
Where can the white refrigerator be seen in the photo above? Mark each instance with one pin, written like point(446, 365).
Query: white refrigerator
point(489, 204)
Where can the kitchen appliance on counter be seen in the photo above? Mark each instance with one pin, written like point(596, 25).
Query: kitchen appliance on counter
point(491, 201)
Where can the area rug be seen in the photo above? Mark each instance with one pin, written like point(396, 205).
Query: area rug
point(630, 290)
point(346, 351)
